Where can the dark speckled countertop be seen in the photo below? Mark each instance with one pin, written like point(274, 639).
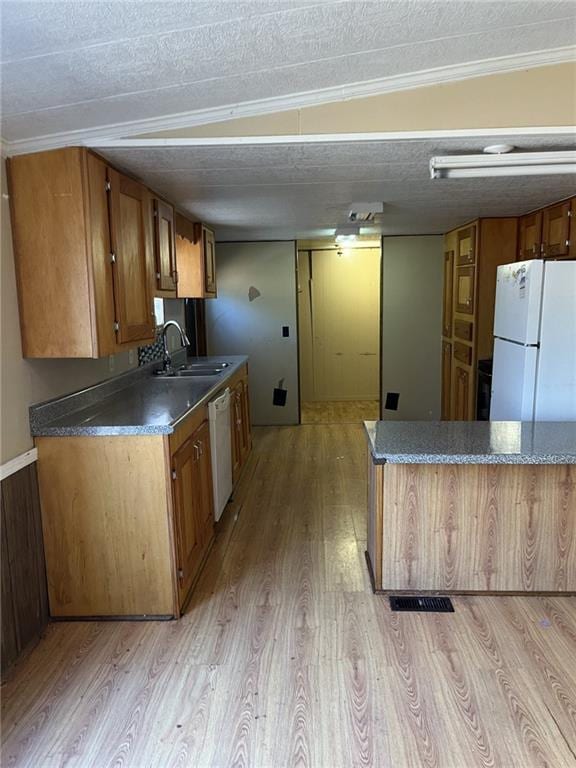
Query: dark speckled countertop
point(137, 403)
point(472, 442)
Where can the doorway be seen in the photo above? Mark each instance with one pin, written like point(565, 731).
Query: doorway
point(339, 331)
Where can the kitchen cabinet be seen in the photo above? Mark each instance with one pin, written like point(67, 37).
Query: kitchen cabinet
point(479, 248)
point(464, 294)
point(556, 230)
point(446, 380)
point(448, 293)
point(462, 393)
point(193, 506)
point(240, 423)
point(83, 255)
point(164, 249)
point(195, 259)
point(127, 532)
point(529, 236)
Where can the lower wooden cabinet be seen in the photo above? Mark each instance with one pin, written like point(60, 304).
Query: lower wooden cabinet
point(462, 393)
point(446, 380)
point(240, 418)
point(193, 506)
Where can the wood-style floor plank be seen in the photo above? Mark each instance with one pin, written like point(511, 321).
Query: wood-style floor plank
point(285, 657)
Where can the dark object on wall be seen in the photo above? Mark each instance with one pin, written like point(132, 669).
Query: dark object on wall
point(285, 331)
point(24, 593)
point(484, 390)
point(392, 399)
point(280, 394)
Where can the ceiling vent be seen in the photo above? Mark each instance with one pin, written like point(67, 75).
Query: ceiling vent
point(360, 212)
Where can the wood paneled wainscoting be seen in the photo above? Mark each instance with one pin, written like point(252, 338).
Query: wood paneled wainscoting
point(24, 595)
point(485, 528)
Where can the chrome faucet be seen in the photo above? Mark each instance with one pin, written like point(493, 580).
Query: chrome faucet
point(184, 341)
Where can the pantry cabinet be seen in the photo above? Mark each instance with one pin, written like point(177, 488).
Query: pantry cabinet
point(83, 255)
point(448, 293)
point(164, 249)
point(479, 248)
point(196, 259)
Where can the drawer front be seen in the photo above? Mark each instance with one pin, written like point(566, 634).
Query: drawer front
point(463, 353)
point(463, 330)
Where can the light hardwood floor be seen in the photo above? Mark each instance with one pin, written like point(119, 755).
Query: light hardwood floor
point(285, 658)
point(341, 412)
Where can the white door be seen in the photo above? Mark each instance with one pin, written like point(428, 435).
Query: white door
point(518, 298)
point(345, 311)
point(556, 375)
point(513, 382)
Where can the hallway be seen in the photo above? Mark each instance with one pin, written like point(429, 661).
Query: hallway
point(285, 658)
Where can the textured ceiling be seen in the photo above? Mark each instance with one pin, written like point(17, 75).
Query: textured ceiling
point(289, 191)
point(79, 65)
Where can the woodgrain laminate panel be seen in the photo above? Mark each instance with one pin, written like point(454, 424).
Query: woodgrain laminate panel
point(108, 546)
point(481, 528)
point(285, 658)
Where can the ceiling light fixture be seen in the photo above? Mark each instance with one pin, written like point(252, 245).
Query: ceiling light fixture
point(364, 211)
point(515, 164)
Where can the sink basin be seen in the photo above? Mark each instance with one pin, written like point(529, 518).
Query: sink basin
point(199, 372)
point(205, 367)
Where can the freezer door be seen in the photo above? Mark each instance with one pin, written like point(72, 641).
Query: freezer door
point(556, 374)
point(513, 382)
point(518, 299)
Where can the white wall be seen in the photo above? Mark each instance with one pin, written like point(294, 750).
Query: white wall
point(411, 325)
point(236, 325)
point(24, 382)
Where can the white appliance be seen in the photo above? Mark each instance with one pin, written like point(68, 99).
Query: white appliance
point(221, 450)
point(534, 368)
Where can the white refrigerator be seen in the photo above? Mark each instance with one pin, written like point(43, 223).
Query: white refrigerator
point(534, 367)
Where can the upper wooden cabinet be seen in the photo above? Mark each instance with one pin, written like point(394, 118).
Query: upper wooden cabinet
point(556, 230)
point(529, 236)
point(165, 249)
point(466, 245)
point(83, 255)
point(195, 258)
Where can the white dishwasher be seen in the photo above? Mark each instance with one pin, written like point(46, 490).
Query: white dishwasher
point(221, 450)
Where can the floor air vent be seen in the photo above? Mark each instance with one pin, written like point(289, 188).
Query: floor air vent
point(423, 603)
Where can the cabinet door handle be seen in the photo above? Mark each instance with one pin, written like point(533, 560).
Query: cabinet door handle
point(196, 451)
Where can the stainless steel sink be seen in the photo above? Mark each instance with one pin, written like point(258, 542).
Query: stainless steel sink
point(205, 367)
point(199, 372)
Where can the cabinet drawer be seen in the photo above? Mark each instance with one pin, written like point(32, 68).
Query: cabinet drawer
point(463, 353)
point(463, 330)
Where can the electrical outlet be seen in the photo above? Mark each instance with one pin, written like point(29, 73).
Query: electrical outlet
point(131, 356)
point(111, 363)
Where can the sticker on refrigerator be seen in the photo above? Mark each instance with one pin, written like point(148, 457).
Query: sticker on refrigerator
point(520, 278)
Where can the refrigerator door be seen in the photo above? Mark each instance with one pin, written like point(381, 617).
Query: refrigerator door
point(556, 374)
point(518, 300)
point(513, 382)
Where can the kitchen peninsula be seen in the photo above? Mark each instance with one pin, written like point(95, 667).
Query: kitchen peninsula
point(480, 507)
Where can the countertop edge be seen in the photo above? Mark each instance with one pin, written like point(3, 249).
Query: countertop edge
point(473, 459)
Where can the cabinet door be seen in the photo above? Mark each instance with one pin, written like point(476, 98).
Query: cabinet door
point(130, 230)
point(244, 427)
point(209, 261)
point(446, 380)
point(462, 393)
point(448, 293)
point(465, 290)
point(556, 230)
point(572, 233)
point(529, 236)
point(206, 497)
point(165, 247)
point(188, 519)
point(466, 245)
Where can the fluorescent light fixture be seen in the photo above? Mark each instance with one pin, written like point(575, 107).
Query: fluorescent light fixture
point(346, 234)
point(513, 164)
point(345, 238)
